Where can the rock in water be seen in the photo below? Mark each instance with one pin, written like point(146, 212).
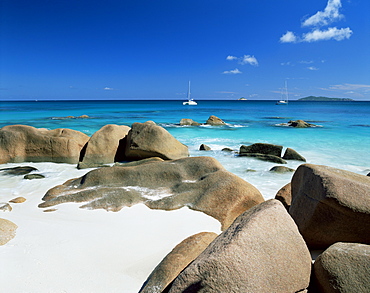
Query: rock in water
point(213, 120)
point(262, 148)
point(330, 205)
point(291, 154)
point(201, 183)
point(262, 251)
point(146, 140)
point(21, 143)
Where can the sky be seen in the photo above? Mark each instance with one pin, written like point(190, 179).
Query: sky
point(150, 49)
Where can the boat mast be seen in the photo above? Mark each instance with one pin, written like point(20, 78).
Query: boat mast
point(286, 91)
point(189, 91)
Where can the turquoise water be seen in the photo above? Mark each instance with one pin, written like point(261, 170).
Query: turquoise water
point(342, 139)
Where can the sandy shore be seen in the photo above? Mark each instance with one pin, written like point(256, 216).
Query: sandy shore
point(77, 250)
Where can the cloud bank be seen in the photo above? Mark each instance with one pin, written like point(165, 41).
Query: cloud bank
point(320, 19)
point(234, 71)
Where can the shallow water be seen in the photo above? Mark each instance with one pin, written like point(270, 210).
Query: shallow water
point(342, 139)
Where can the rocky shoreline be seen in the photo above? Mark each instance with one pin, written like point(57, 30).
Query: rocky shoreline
point(265, 245)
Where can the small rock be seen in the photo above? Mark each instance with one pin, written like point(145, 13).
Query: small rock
point(262, 148)
point(291, 154)
point(227, 150)
point(300, 124)
point(18, 200)
point(7, 231)
point(281, 169)
point(5, 207)
point(250, 170)
point(263, 157)
point(284, 195)
point(191, 122)
point(34, 176)
point(83, 116)
point(50, 210)
point(18, 170)
point(213, 120)
point(204, 147)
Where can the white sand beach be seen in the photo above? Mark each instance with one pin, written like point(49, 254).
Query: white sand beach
point(78, 250)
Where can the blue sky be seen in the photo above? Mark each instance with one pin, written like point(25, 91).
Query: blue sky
point(146, 49)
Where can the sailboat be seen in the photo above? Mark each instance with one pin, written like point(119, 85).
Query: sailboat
point(285, 94)
point(190, 101)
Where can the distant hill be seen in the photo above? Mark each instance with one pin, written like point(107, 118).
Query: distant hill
point(313, 98)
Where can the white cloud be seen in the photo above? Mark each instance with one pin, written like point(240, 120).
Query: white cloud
point(350, 87)
point(326, 17)
point(320, 19)
point(288, 37)
point(231, 57)
point(234, 71)
point(330, 33)
point(312, 68)
point(108, 89)
point(246, 59)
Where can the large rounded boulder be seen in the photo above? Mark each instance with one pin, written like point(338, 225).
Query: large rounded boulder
point(262, 251)
point(22, 143)
point(178, 259)
point(330, 205)
point(105, 146)
point(343, 267)
point(146, 140)
point(201, 183)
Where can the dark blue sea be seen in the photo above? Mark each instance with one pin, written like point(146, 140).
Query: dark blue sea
point(341, 138)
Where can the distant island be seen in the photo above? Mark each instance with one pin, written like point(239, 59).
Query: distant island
point(313, 98)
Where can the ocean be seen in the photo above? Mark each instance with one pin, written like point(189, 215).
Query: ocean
point(341, 138)
point(78, 250)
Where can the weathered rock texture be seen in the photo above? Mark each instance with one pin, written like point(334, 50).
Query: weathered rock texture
point(263, 151)
point(7, 231)
point(105, 146)
point(262, 251)
point(285, 195)
point(330, 205)
point(300, 124)
point(191, 122)
point(281, 169)
point(291, 154)
point(204, 147)
point(147, 139)
point(169, 268)
point(201, 183)
point(213, 120)
point(343, 267)
point(21, 143)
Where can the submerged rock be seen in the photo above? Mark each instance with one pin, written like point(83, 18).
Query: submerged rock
point(300, 124)
point(262, 251)
point(281, 169)
point(191, 122)
point(263, 157)
point(201, 183)
point(34, 176)
point(5, 207)
point(18, 170)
